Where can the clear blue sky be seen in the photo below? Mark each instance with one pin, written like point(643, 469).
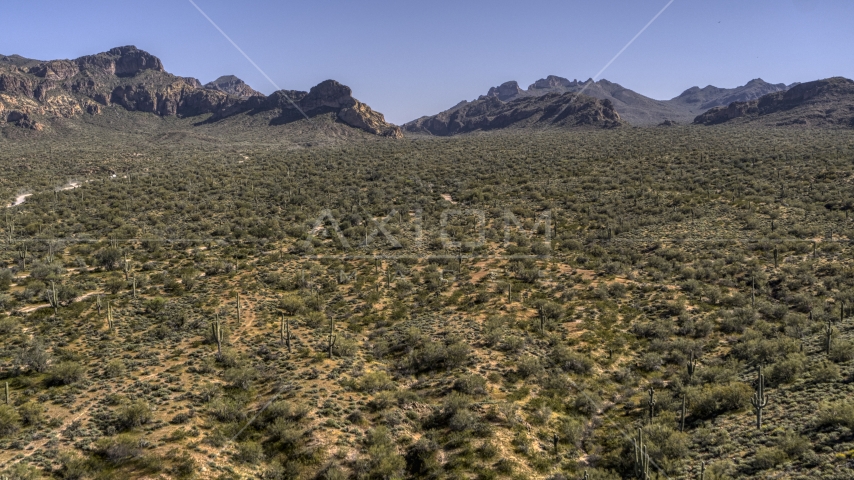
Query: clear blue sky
point(407, 59)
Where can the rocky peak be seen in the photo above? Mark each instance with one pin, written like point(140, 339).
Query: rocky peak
point(506, 91)
point(233, 86)
point(552, 81)
point(121, 61)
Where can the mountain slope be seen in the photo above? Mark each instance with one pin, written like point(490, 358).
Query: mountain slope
point(491, 113)
point(696, 98)
point(821, 102)
point(634, 108)
point(35, 93)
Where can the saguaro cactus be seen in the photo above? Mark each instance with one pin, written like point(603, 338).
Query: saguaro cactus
point(641, 457)
point(110, 316)
point(126, 267)
point(759, 400)
point(53, 298)
point(332, 336)
point(692, 366)
point(216, 329)
point(8, 396)
point(282, 330)
point(702, 470)
point(828, 332)
point(651, 403)
point(238, 309)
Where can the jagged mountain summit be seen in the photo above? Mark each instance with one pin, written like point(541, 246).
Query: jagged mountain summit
point(828, 102)
point(634, 108)
point(492, 113)
point(233, 86)
point(33, 93)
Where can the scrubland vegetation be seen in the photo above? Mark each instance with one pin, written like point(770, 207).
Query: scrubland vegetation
point(366, 309)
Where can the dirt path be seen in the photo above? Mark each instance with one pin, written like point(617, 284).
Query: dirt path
point(20, 199)
point(33, 308)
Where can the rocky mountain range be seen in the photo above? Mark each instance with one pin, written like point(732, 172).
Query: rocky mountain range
point(634, 108)
point(819, 103)
point(491, 113)
point(33, 92)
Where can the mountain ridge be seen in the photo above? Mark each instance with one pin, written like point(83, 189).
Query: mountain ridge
point(828, 101)
point(635, 108)
point(33, 92)
point(491, 113)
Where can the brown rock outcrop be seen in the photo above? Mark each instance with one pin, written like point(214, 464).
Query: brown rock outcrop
point(135, 80)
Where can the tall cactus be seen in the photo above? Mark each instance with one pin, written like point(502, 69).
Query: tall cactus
point(53, 298)
point(828, 332)
point(216, 329)
point(110, 316)
point(332, 336)
point(759, 400)
point(692, 366)
point(126, 268)
point(282, 330)
point(651, 403)
point(238, 309)
point(641, 457)
point(8, 396)
point(702, 470)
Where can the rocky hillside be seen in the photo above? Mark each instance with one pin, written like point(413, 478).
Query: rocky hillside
point(491, 113)
point(33, 93)
point(634, 108)
point(696, 98)
point(819, 103)
point(233, 86)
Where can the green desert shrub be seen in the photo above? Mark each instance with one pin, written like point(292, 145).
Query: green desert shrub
point(841, 350)
point(768, 457)
point(836, 414)
point(65, 373)
point(133, 415)
point(9, 420)
point(710, 400)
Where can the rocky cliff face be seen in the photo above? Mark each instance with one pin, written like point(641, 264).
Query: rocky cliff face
point(491, 113)
point(32, 92)
point(233, 86)
point(822, 102)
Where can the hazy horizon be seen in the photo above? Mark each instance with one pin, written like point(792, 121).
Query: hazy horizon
point(409, 61)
